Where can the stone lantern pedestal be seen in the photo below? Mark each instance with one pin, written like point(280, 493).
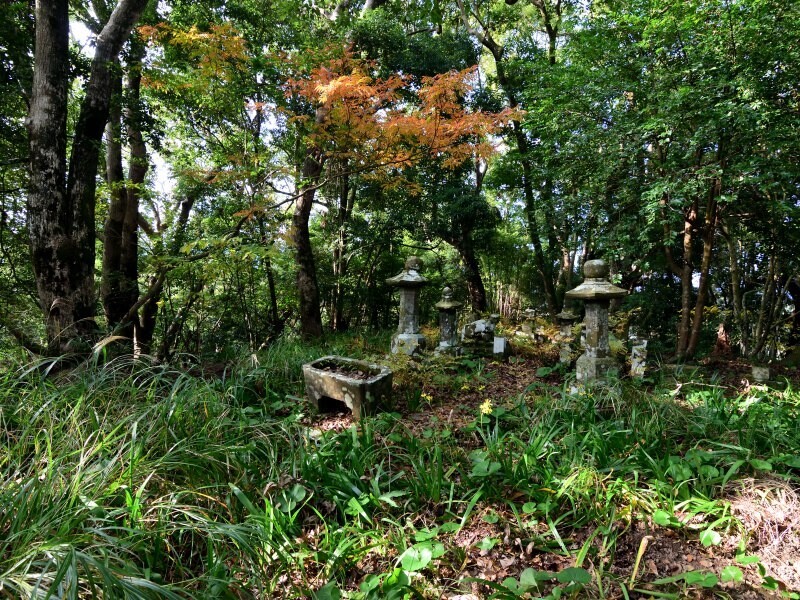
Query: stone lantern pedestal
point(408, 339)
point(596, 292)
point(448, 322)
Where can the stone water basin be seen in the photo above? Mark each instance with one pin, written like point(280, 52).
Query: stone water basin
point(360, 385)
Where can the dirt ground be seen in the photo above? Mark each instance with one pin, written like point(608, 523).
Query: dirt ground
point(767, 509)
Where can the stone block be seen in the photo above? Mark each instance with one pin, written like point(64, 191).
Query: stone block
point(360, 385)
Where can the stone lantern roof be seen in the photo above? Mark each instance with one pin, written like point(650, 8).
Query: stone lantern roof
point(567, 316)
point(596, 285)
point(409, 277)
point(447, 302)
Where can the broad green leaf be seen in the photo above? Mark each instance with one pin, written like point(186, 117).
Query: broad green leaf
point(747, 559)
point(416, 558)
point(760, 465)
point(576, 574)
point(709, 537)
point(662, 518)
point(731, 573)
point(487, 543)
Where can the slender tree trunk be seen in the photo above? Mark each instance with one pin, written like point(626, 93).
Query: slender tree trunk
point(686, 272)
point(346, 200)
point(737, 295)
point(709, 235)
point(137, 170)
point(114, 306)
point(307, 287)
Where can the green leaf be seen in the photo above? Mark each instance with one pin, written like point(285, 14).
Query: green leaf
point(416, 558)
point(792, 461)
point(576, 574)
point(529, 508)
point(662, 518)
point(731, 573)
point(328, 592)
point(491, 518)
point(426, 534)
point(706, 580)
point(760, 465)
point(531, 577)
point(485, 468)
point(709, 537)
point(487, 543)
point(745, 559)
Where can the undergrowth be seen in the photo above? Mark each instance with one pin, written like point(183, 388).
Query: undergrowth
point(127, 480)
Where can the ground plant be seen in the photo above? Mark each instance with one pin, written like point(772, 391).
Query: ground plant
point(124, 479)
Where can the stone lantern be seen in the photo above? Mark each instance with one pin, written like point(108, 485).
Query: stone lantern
point(448, 322)
point(408, 339)
point(596, 292)
point(565, 321)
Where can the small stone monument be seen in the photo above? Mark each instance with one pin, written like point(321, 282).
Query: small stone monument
point(480, 330)
point(408, 339)
point(528, 322)
point(448, 322)
point(565, 321)
point(638, 354)
point(500, 348)
point(596, 292)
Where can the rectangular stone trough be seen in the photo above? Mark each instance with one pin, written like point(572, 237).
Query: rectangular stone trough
point(360, 385)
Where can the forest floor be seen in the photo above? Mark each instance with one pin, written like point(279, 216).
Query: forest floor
point(481, 479)
point(648, 556)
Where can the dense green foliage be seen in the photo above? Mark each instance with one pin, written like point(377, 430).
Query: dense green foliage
point(660, 137)
point(127, 480)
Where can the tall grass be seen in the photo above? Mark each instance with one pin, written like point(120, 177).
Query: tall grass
point(127, 480)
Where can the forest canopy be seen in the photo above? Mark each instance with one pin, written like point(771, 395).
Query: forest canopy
point(206, 177)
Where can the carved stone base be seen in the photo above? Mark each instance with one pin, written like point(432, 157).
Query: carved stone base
point(591, 368)
point(408, 343)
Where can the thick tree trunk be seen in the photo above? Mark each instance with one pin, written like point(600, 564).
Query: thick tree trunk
point(49, 217)
point(61, 219)
point(472, 273)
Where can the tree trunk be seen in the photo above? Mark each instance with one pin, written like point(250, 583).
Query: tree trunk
point(472, 272)
point(737, 292)
point(61, 212)
point(686, 272)
point(114, 306)
point(544, 269)
point(709, 234)
point(137, 170)
point(307, 288)
point(48, 211)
